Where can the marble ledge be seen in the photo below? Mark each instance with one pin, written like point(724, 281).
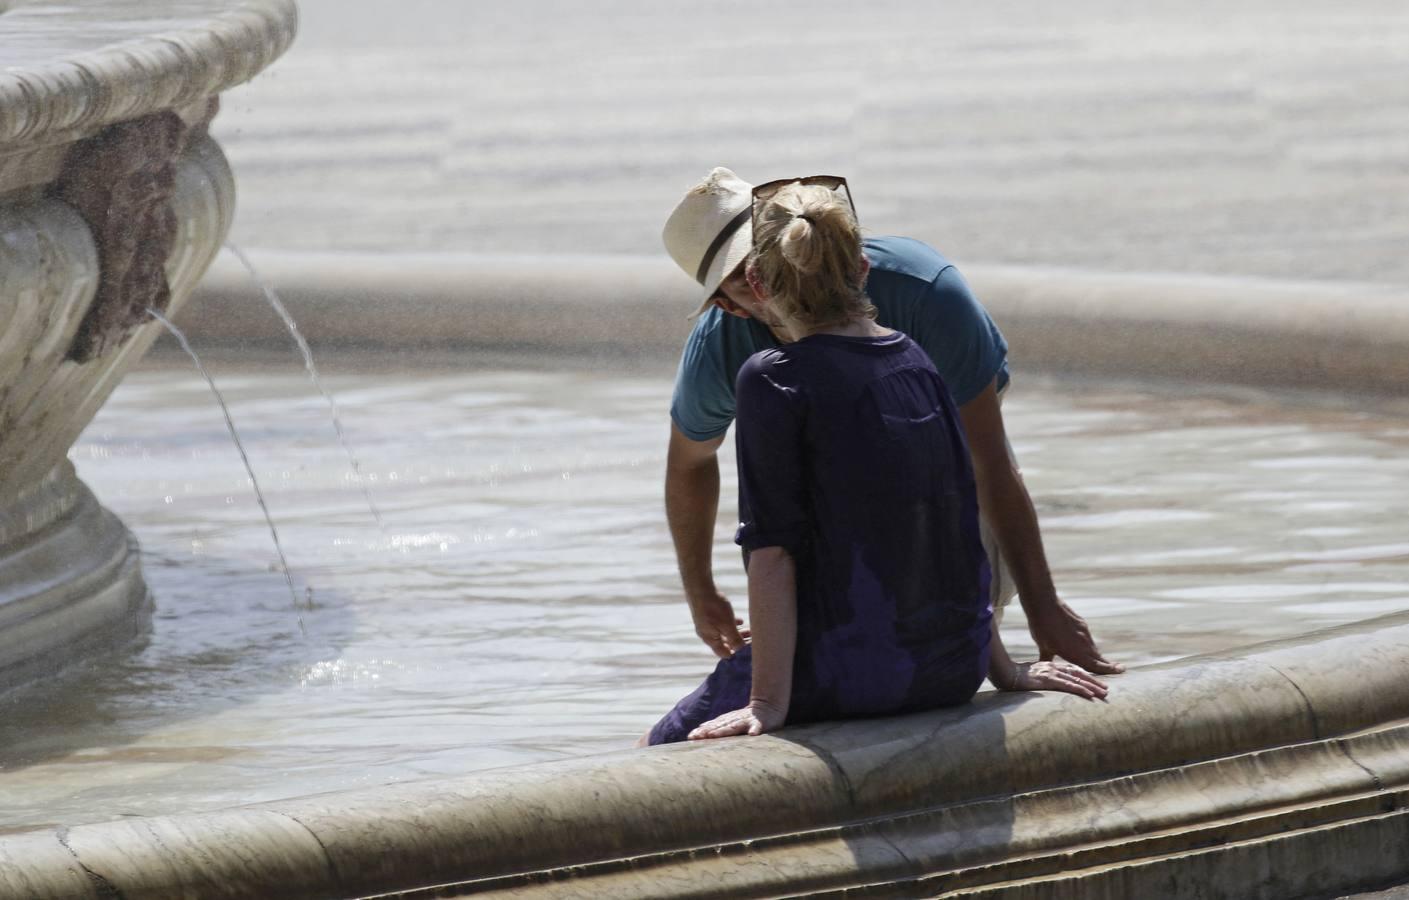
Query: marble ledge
point(1229, 750)
point(77, 66)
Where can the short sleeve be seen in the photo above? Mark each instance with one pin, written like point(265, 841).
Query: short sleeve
point(703, 403)
point(769, 444)
point(960, 337)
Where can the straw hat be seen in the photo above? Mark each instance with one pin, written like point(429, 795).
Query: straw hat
point(711, 231)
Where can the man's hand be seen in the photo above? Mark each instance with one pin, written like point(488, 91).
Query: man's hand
point(756, 718)
point(1059, 631)
point(716, 625)
point(691, 506)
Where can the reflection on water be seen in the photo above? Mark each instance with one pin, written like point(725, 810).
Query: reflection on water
point(522, 604)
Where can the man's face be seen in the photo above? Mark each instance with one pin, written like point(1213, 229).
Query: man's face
point(737, 298)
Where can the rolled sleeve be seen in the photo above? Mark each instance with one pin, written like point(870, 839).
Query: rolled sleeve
point(769, 444)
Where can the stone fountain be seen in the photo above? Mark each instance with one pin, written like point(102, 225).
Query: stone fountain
point(113, 199)
point(1270, 771)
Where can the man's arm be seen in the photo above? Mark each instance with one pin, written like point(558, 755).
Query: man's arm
point(691, 507)
point(1005, 503)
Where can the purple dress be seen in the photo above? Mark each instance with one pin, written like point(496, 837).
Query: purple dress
point(852, 458)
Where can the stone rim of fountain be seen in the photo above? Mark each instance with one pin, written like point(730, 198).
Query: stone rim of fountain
point(65, 83)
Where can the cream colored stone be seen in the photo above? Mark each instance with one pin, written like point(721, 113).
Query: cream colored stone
point(880, 803)
point(80, 584)
point(39, 867)
point(1336, 678)
point(69, 577)
point(1243, 331)
point(219, 857)
point(69, 76)
point(48, 273)
point(204, 205)
point(580, 811)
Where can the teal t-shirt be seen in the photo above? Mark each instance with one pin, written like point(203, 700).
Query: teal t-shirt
point(916, 290)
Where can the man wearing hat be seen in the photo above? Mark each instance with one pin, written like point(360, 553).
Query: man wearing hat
point(917, 291)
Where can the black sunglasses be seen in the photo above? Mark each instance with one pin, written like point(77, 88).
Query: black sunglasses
point(764, 192)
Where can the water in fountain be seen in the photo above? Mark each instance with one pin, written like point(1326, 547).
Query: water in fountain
point(244, 457)
point(289, 323)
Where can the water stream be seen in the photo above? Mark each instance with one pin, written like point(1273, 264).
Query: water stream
point(272, 297)
point(244, 457)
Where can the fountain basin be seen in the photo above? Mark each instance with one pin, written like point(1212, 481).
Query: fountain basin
point(113, 198)
point(1271, 772)
point(1274, 771)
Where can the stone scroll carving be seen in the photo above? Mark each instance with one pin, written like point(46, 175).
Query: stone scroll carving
point(120, 181)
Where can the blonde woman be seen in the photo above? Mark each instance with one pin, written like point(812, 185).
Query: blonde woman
point(868, 582)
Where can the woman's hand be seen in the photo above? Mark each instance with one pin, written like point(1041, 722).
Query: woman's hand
point(756, 718)
point(1064, 676)
point(1057, 676)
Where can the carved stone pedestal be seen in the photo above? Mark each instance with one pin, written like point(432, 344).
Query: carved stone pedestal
point(113, 200)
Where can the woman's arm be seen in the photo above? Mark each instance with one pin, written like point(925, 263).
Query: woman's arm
point(1070, 678)
point(773, 618)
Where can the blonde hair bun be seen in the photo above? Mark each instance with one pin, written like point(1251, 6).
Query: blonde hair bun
point(808, 253)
